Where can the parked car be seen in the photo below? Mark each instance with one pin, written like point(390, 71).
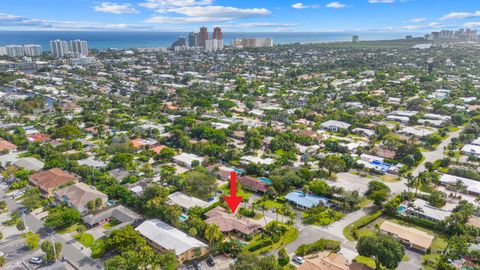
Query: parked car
point(210, 261)
point(298, 259)
point(35, 260)
point(199, 266)
point(17, 194)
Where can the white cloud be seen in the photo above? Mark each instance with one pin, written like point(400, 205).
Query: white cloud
point(156, 4)
point(460, 15)
point(381, 1)
point(302, 6)
point(416, 20)
point(472, 25)
point(432, 25)
point(202, 14)
point(114, 8)
point(335, 5)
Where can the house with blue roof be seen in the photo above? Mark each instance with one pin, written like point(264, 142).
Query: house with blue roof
point(306, 201)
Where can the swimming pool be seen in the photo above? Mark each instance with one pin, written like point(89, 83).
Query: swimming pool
point(401, 209)
point(265, 180)
point(182, 217)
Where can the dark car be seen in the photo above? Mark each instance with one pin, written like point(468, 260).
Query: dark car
point(210, 261)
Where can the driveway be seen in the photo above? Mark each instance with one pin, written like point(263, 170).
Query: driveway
point(70, 251)
point(436, 154)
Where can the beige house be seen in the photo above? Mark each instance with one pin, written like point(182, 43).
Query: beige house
point(78, 195)
point(330, 261)
point(163, 237)
point(410, 237)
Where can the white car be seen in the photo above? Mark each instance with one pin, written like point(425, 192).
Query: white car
point(35, 260)
point(298, 259)
point(17, 194)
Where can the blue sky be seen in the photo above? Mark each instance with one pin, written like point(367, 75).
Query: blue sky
point(241, 15)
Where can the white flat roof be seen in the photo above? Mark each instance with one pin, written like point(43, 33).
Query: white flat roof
point(186, 201)
point(168, 237)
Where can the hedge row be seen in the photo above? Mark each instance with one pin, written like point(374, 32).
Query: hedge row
point(320, 245)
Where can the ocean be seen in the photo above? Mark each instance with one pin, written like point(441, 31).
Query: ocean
point(126, 40)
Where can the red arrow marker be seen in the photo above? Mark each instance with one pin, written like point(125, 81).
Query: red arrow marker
point(233, 200)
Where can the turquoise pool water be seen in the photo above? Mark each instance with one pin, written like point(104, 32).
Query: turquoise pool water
point(401, 209)
point(265, 180)
point(182, 217)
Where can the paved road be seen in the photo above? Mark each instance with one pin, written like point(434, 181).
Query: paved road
point(436, 154)
point(70, 252)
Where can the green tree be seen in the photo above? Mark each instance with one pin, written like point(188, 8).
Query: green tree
point(3, 261)
point(383, 249)
point(81, 229)
point(116, 263)
point(125, 239)
point(283, 258)
point(51, 253)
point(213, 234)
point(32, 239)
point(62, 217)
point(20, 226)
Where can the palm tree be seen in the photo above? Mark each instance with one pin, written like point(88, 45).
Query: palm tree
point(458, 186)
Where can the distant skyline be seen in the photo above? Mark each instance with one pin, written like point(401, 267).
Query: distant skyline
point(406, 16)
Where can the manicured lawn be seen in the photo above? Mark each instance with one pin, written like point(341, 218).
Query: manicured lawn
point(289, 236)
point(365, 232)
point(272, 204)
point(240, 191)
point(110, 224)
point(429, 261)
point(85, 239)
point(389, 178)
point(364, 202)
point(365, 260)
point(347, 231)
point(98, 248)
point(70, 229)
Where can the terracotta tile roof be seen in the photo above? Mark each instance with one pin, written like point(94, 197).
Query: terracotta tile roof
point(39, 137)
point(6, 145)
point(52, 178)
point(330, 261)
point(229, 222)
point(159, 148)
point(253, 183)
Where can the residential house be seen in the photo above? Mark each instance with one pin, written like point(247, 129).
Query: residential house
point(163, 237)
point(306, 201)
point(6, 146)
point(186, 159)
point(78, 195)
point(334, 125)
point(411, 237)
point(120, 213)
point(253, 184)
point(229, 223)
point(49, 180)
point(330, 261)
point(29, 164)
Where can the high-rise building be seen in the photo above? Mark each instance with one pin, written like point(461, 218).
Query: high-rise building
point(79, 48)
point(15, 50)
point(193, 40)
point(355, 38)
point(203, 36)
point(32, 50)
point(217, 33)
point(3, 51)
point(59, 48)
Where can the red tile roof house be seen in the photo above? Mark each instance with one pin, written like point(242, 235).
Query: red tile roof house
point(50, 180)
point(229, 223)
point(7, 147)
point(253, 184)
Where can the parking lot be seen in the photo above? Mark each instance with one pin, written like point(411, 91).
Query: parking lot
point(221, 263)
